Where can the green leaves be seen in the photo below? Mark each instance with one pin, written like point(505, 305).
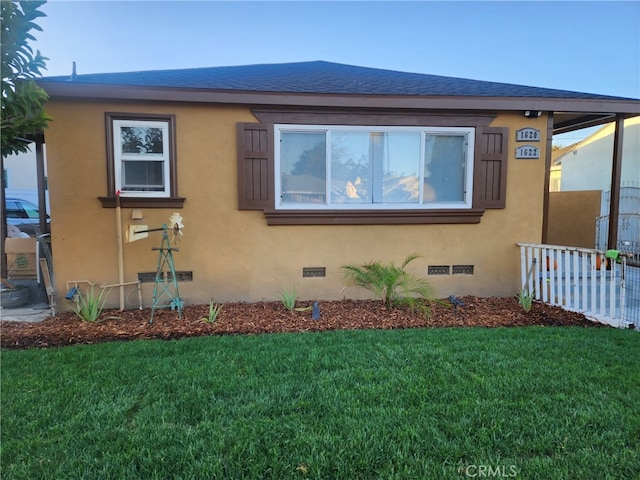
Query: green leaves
point(90, 306)
point(525, 299)
point(288, 298)
point(22, 100)
point(392, 284)
point(214, 311)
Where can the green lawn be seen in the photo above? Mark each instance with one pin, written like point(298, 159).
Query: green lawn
point(534, 403)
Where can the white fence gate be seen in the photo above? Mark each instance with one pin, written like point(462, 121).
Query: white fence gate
point(628, 222)
point(579, 279)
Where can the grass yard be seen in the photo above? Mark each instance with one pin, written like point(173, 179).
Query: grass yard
point(525, 403)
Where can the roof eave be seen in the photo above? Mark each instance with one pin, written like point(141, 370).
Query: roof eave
point(74, 90)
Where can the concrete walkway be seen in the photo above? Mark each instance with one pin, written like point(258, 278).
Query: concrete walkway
point(30, 313)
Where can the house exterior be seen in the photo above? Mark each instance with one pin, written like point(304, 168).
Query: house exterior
point(283, 173)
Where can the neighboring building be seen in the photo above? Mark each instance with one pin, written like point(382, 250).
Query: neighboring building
point(586, 165)
point(284, 173)
point(20, 176)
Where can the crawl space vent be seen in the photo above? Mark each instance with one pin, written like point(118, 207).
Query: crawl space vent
point(463, 269)
point(438, 270)
point(150, 277)
point(310, 272)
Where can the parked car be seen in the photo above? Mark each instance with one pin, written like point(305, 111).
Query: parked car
point(24, 215)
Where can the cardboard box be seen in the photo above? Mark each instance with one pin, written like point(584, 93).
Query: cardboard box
point(21, 257)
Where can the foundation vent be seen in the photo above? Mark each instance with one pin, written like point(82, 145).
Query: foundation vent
point(146, 277)
point(311, 272)
point(181, 276)
point(150, 277)
point(438, 270)
point(463, 269)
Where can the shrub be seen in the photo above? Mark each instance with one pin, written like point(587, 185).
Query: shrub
point(525, 299)
point(288, 298)
point(89, 307)
point(392, 284)
point(214, 311)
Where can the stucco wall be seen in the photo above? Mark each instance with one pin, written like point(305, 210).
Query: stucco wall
point(234, 255)
point(572, 218)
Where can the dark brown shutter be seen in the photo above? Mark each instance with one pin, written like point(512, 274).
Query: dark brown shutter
point(490, 168)
point(255, 166)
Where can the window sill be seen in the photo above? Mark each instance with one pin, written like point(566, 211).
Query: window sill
point(143, 202)
point(373, 217)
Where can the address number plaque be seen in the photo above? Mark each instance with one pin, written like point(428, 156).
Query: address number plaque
point(527, 135)
point(527, 151)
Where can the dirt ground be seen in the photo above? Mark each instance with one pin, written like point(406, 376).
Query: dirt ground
point(270, 317)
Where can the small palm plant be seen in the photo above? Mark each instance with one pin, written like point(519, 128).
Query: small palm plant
point(392, 284)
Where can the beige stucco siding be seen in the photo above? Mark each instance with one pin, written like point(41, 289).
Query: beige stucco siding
point(572, 218)
point(233, 254)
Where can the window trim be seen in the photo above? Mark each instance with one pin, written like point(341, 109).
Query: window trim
point(373, 217)
point(466, 204)
point(150, 199)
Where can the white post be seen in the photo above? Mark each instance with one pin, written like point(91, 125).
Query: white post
point(594, 280)
point(536, 273)
point(567, 278)
point(612, 289)
point(576, 281)
point(120, 249)
point(523, 268)
point(623, 296)
point(603, 287)
point(559, 270)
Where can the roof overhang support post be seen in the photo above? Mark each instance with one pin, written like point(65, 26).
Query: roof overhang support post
point(3, 222)
point(41, 183)
point(547, 177)
point(616, 174)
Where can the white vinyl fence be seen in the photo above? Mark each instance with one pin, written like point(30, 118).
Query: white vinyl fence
point(581, 280)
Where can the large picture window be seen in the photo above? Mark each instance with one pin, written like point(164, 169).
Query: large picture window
point(421, 170)
point(353, 167)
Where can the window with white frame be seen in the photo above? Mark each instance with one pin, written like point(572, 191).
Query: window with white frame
point(142, 157)
point(347, 167)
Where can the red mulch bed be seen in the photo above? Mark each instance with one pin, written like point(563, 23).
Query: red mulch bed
point(272, 317)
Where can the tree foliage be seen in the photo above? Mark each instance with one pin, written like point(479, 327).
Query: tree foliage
point(22, 100)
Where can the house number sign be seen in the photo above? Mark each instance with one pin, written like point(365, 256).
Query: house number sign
point(527, 135)
point(527, 151)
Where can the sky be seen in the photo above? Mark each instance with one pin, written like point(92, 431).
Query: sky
point(591, 46)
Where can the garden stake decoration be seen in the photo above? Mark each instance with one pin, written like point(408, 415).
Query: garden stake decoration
point(166, 284)
point(455, 301)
